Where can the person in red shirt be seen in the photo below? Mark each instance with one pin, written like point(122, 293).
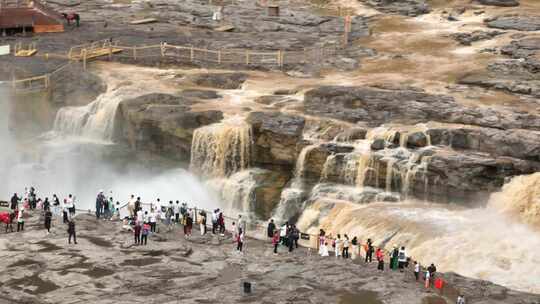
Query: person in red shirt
point(275, 241)
point(380, 258)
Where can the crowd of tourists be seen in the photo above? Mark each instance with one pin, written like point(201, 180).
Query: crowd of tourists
point(142, 219)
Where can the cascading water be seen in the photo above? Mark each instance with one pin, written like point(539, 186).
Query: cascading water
point(483, 243)
point(94, 121)
point(79, 157)
point(221, 149)
point(292, 197)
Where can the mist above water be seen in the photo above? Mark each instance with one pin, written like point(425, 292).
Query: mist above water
point(70, 162)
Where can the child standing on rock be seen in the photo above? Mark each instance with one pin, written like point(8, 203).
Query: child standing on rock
point(71, 231)
point(144, 234)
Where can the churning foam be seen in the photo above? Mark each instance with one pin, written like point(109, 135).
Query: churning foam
point(481, 243)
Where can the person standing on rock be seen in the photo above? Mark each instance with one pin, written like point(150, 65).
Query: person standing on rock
point(145, 230)
point(215, 221)
point(275, 241)
point(322, 239)
point(402, 258)
point(20, 219)
point(338, 246)
point(177, 212)
point(221, 224)
point(71, 205)
point(369, 251)
point(432, 270)
point(14, 202)
point(284, 233)
point(394, 260)
point(131, 206)
point(241, 223)
point(71, 231)
point(416, 270)
point(271, 229)
point(138, 205)
point(189, 224)
point(153, 220)
point(202, 222)
point(65, 212)
point(99, 204)
point(290, 238)
point(46, 204)
point(354, 245)
point(240, 240)
point(345, 252)
point(137, 233)
point(56, 205)
point(48, 219)
point(379, 255)
point(324, 250)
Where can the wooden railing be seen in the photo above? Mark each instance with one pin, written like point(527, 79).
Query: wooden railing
point(37, 83)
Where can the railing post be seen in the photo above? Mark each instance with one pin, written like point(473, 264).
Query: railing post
point(110, 52)
point(247, 57)
point(47, 80)
point(84, 59)
point(134, 53)
point(279, 58)
point(162, 46)
point(191, 54)
point(219, 56)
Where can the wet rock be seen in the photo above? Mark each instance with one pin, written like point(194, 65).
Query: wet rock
point(515, 22)
point(505, 3)
point(469, 38)
point(228, 81)
point(256, 192)
point(275, 137)
point(514, 76)
point(323, 128)
point(513, 143)
point(376, 106)
point(285, 92)
point(417, 140)
point(200, 94)
point(402, 7)
point(378, 144)
point(162, 124)
point(352, 134)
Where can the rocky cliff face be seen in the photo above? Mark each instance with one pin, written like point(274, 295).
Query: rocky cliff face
point(161, 124)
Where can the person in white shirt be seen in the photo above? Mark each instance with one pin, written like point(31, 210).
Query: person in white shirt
point(338, 244)
point(460, 299)
point(140, 217)
point(214, 221)
point(345, 247)
point(153, 220)
point(324, 250)
point(402, 258)
point(20, 219)
point(416, 270)
point(131, 206)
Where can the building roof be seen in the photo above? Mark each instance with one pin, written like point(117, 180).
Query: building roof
point(25, 16)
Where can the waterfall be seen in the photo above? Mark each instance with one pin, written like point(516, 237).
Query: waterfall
point(221, 149)
point(480, 243)
point(94, 121)
point(520, 199)
point(291, 199)
point(237, 192)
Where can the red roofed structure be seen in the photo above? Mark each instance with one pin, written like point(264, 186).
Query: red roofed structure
point(29, 15)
